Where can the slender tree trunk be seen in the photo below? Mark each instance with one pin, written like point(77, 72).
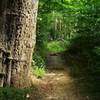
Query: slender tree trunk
point(19, 27)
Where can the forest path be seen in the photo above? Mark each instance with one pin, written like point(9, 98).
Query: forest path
point(65, 83)
point(56, 85)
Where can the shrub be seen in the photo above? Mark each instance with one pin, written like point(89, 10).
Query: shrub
point(8, 93)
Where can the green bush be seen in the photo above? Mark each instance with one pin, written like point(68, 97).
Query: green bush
point(8, 93)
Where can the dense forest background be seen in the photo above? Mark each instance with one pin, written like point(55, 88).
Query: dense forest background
point(72, 26)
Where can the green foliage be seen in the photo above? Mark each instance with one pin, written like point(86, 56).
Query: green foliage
point(39, 72)
point(38, 65)
point(53, 25)
point(76, 23)
point(85, 41)
point(97, 50)
point(56, 46)
point(38, 60)
point(9, 93)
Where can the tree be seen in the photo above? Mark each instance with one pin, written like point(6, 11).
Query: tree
point(17, 40)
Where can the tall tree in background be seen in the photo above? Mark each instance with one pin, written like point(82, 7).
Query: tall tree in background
point(17, 40)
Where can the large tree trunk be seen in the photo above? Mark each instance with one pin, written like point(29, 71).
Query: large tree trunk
point(17, 40)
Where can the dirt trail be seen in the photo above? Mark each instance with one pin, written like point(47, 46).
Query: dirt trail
point(56, 85)
point(65, 82)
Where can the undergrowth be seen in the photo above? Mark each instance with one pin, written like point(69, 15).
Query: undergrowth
point(10, 93)
point(39, 72)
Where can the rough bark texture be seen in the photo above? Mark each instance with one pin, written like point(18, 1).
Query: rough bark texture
point(17, 40)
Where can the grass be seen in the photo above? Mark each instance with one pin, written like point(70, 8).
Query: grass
point(39, 72)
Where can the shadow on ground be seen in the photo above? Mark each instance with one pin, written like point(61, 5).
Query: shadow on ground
point(86, 79)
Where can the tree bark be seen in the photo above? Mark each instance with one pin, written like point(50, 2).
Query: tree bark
point(18, 33)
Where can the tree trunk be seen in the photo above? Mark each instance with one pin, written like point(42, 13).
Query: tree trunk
point(17, 40)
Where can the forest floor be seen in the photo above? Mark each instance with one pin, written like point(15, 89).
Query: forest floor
point(55, 85)
point(67, 83)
